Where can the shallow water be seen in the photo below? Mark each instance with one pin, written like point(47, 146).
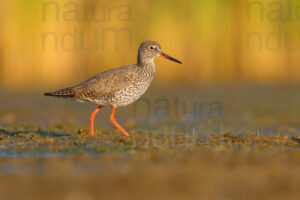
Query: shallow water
point(246, 149)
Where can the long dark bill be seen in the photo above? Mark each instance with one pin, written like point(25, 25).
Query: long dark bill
point(163, 55)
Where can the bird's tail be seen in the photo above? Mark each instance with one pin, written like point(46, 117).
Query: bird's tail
point(65, 92)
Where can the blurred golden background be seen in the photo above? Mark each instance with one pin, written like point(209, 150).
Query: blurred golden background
point(48, 44)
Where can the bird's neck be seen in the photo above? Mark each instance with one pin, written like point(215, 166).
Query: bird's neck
point(146, 63)
point(147, 66)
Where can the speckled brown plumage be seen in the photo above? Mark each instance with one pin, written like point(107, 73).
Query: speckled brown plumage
point(116, 87)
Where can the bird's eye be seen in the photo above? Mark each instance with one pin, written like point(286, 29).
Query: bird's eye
point(151, 47)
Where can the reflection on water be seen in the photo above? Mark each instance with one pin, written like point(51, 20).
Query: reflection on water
point(37, 126)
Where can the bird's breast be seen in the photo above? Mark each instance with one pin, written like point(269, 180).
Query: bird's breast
point(132, 92)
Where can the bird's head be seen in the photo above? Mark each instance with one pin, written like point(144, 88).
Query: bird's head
point(150, 49)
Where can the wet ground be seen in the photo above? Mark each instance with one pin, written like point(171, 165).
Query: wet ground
point(237, 142)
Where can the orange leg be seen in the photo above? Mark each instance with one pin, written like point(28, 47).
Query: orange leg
point(92, 119)
point(112, 119)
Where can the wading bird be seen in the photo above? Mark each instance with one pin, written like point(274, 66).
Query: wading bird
point(117, 87)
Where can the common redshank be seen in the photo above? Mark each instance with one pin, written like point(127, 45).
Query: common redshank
point(117, 87)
